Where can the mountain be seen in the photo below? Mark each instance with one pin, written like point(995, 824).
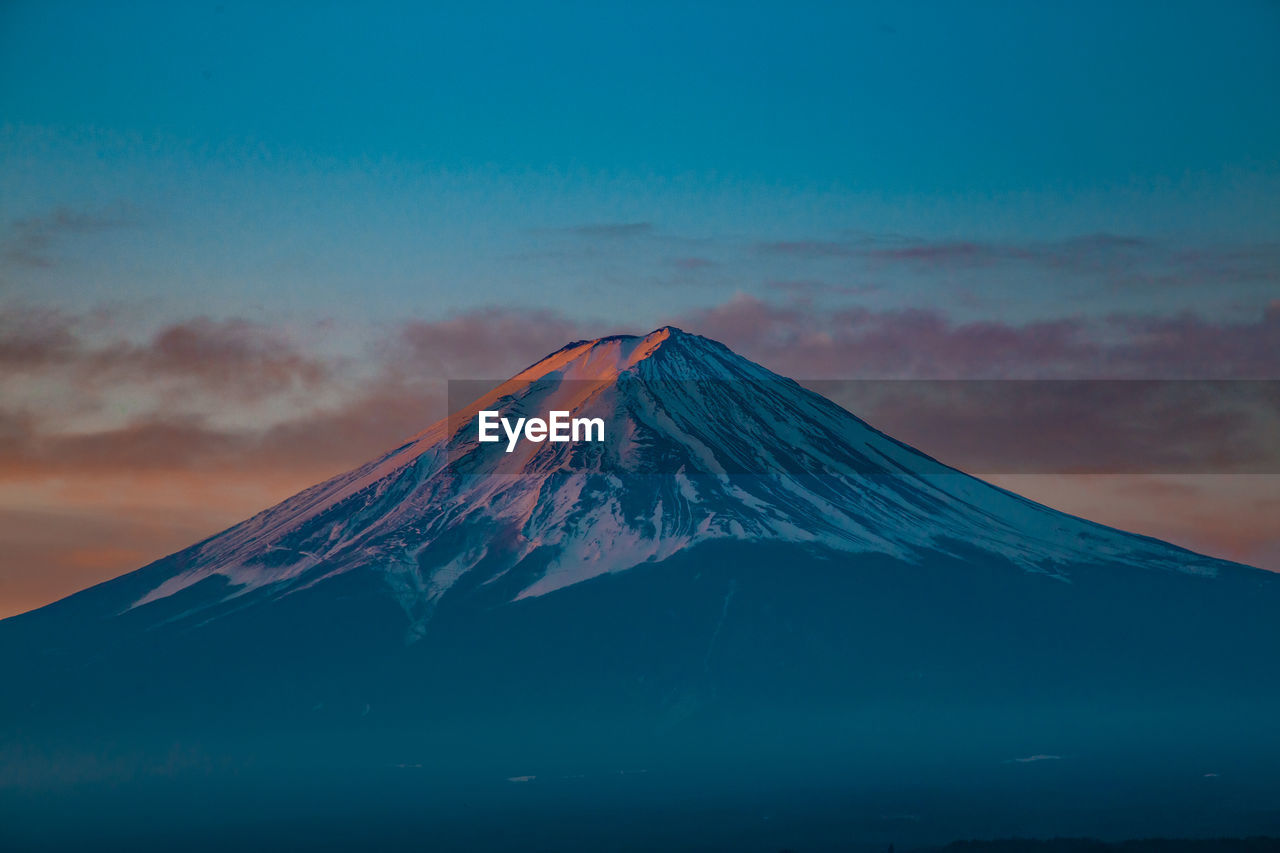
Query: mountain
point(741, 573)
point(682, 413)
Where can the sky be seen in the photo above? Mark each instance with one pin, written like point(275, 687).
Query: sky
point(243, 245)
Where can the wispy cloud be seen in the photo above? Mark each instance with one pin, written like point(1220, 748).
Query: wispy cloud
point(479, 344)
point(1078, 427)
point(335, 412)
point(32, 338)
point(805, 289)
point(1096, 274)
point(821, 343)
point(611, 230)
point(1114, 261)
point(34, 241)
point(231, 357)
point(1031, 759)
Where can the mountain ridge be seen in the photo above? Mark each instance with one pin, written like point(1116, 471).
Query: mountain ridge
point(672, 400)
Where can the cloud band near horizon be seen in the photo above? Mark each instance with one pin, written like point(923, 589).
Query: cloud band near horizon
point(212, 420)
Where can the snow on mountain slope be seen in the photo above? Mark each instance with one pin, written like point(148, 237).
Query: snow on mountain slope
point(701, 445)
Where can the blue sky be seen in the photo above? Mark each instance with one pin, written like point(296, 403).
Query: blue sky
point(328, 159)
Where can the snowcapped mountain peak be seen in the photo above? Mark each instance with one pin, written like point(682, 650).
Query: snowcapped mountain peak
point(701, 445)
point(605, 358)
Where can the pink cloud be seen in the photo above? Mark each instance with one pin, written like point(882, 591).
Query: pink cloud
point(801, 341)
point(234, 357)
